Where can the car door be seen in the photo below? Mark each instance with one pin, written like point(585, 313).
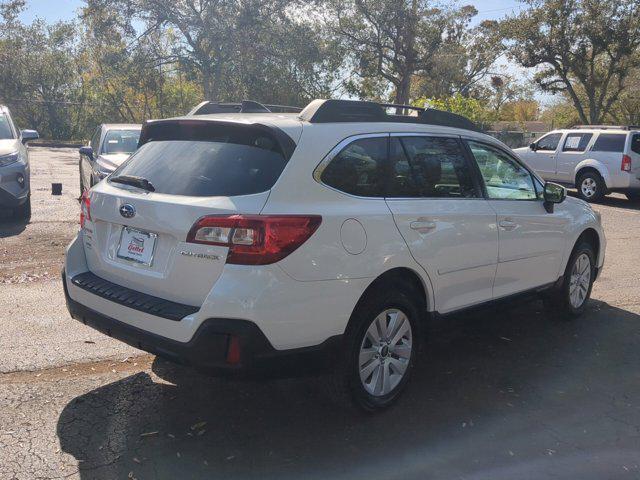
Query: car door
point(570, 154)
point(438, 208)
point(542, 158)
point(530, 239)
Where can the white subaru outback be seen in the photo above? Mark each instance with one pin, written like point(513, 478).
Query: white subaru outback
point(250, 243)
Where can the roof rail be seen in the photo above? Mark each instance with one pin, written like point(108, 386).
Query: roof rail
point(606, 127)
point(333, 111)
point(246, 106)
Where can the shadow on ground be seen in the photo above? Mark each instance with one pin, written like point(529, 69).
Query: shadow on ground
point(499, 394)
point(617, 201)
point(10, 227)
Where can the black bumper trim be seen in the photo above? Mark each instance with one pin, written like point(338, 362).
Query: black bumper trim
point(132, 298)
point(207, 350)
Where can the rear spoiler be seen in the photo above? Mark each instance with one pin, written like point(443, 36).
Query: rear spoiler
point(246, 106)
point(205, 129)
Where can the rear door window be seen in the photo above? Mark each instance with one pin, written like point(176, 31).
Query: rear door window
point(439, 167)
point(609, 142)
point(358, 168)
point(224, 161)
point(576, 142)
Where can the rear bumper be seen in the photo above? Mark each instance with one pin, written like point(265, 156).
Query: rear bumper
point(208, 350)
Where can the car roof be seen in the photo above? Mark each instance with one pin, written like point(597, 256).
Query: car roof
point(594, 130)
point(4, 109)
point(122, 126)
point(291, 124)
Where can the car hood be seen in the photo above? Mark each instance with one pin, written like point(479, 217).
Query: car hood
point(521, 149)
point(9, 146)
point(113, 160)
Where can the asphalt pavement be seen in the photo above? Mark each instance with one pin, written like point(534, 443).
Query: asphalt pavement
point(501, 393)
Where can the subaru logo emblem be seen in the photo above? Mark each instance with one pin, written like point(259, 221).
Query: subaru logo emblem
point(127, 210)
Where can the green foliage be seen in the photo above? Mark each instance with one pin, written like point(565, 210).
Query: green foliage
point(471, 108)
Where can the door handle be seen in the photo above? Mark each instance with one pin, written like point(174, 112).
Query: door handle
point(507, 225)
point(422, 226)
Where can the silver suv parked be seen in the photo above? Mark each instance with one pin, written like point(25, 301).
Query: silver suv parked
point(595, 159)
point(15, 192)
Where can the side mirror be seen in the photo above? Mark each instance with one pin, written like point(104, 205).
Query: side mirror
point(533, 146)
point(553, 193)
point(88, 151)
point(27, 135)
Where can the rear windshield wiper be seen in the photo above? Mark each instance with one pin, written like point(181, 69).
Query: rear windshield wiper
point(134, 181)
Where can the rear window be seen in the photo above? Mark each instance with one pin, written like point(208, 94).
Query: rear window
point(609, 142)
point(120, 141)
point(207, 168)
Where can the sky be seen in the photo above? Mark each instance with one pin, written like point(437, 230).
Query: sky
point(52, 10)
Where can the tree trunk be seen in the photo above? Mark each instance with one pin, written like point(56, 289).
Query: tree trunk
point(403, 90)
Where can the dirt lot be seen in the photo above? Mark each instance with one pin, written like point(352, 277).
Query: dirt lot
point(502, 394)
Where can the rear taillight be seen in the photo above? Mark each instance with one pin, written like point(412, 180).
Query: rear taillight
point(625, 166)
point(255, 239)
point(85, 208)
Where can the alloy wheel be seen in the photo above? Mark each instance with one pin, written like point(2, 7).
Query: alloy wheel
point(580, 280)
point(589, 187)
point(385, 352)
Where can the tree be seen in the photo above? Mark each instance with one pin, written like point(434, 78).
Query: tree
point(390, 39)
point(463, 61)
point(472, 108)
point(38, 78)
point(585, 49)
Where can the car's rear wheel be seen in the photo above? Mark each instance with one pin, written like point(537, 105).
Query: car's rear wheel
point(380, 348)
point(591, 186)
point(23, 212)
point(570, 300)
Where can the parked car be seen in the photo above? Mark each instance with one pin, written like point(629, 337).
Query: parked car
point(110, 146)
point(15, 186)
point(257, 242)
point(594, 159)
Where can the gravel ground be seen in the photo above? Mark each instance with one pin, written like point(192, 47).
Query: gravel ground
point(502, 393)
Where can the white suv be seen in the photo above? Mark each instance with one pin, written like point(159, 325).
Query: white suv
point(594, 159)
point(252, 243)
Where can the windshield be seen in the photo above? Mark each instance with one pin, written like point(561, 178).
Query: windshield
point(6, 132)
point(207, 168)
point(120, 141)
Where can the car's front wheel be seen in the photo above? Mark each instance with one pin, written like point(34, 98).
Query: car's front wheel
point(381, 346)
point(570, 300)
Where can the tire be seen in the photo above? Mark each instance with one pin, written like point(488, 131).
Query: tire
point(377, 381)
point(571, 298)
point(23, 212)
point(633, 196)
point(591, 186)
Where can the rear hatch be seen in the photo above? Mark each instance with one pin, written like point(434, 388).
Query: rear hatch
point(139, 219)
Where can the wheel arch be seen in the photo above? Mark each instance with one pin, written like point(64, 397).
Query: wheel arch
point(593, 165)
point(404, 276)
point(591, 236)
